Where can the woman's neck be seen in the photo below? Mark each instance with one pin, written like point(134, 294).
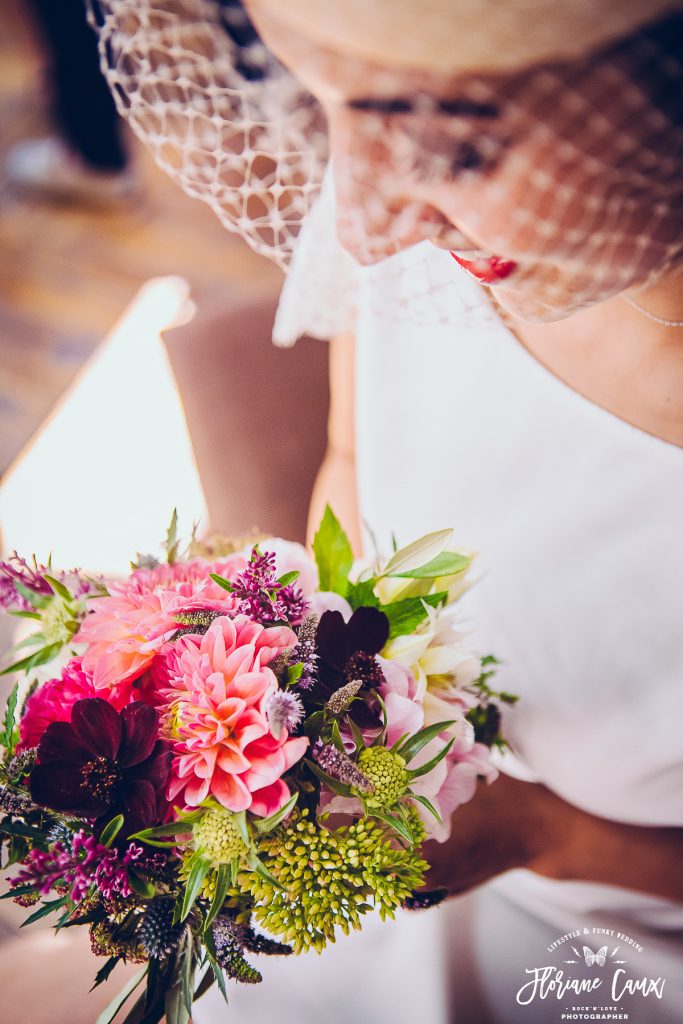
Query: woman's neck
point(618, 358)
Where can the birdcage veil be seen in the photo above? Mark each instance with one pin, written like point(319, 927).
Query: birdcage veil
point(219, 113)
point(234, 128)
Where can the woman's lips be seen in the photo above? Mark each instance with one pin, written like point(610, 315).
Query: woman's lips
point(487, 269)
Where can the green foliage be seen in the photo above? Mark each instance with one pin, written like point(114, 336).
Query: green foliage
point(110, 831)
point(333, 554)
point(9, 737)
point(417, 554)
point(406, 615)
point(222, 582)
point(414, 745)
point(172, 542)
point(362, 594)
point(111, 1011)
point(199, 869)
point(40, 657)
point(448, 563)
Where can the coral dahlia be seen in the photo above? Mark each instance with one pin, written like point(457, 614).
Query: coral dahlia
point(217, 718)
point(127, 630)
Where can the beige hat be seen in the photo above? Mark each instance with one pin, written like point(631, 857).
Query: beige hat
point(465, 35)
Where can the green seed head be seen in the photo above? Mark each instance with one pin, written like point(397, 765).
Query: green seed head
point(217, 837)
point(387, 772)
point(57, 621)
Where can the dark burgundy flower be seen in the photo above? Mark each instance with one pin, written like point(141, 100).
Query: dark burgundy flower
point(104, 762)
point(347, 651)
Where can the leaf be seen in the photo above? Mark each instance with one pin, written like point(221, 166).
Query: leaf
point(187, 968)
point(448, 563)
point(110, 1012)
point(40, 657)
point(337, 737)
point(419, 553)
point(333, 554)
point(294, 673)
point(406, 615)
point(200, 870)
point(356, 735)
point(205, 984)
point(141, 886)
point(25, 615)
point(362, 594)
point(222, 582)
point(172, 828)
point(172, 542)
point(223, 877)
point(8, 736)
point(399, 826)
point(263, 825)
point(240, 820)
point(422, 738)
point(425, 769)
point(47, 908)
point(105, 971)
point(260, 868)
point(289, 578)
point(215, 966)
point(17, 828)
point(34, 599)
point(110, 831)
point(19, 890)
point(314, 723)
point(59, 588)
point(428, 804)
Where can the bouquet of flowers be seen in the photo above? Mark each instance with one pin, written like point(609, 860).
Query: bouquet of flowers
point(241, 751)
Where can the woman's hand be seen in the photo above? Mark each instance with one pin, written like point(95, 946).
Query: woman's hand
point(513, 824)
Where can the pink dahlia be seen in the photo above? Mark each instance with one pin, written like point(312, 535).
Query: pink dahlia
point(163, 576)
point(127, 630)
point(53, 701)
point(217, 718)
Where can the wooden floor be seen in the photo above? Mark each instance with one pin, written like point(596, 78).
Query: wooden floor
point(67, 272)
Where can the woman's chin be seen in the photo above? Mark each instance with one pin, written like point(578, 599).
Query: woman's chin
point(532, 308)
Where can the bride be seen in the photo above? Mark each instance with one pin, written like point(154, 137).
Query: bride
point(516, 170)
point(543, 418)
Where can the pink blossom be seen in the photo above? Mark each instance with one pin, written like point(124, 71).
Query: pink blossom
point(127, 630)
point(53, 701)
point(454, 780)
point(217, 718)
point(164, 577)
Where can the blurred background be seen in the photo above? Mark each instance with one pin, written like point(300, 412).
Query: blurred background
point(136, 371)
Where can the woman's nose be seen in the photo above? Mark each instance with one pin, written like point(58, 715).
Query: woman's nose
point(376, 214)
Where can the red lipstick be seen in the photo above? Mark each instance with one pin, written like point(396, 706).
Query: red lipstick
point(487, 269)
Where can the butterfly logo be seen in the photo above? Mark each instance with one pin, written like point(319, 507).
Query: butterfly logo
point(600, 958)
point(595, 958)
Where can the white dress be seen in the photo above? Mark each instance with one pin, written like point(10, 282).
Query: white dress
point(577, 516)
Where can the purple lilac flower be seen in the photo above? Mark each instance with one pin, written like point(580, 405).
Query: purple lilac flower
point(305, 652)
point(260, 595)
point(339, 766)
point(284, 711)
point(85, 863)
point(18, 570)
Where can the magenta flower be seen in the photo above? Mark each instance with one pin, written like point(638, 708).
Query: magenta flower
point(54, 700)
point(104, 763)
point(262, 597)
point(86, 862)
